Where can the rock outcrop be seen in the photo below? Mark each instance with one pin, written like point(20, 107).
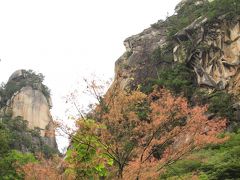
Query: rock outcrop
point(33, 106)
point(210, 47)
point(213, 51)
point(136, 64)
point(31, 102)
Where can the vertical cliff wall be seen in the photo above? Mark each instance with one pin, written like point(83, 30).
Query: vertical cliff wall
point(29, 99)
point(209, 46)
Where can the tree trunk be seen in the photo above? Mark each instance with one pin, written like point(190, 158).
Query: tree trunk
point(120, 171)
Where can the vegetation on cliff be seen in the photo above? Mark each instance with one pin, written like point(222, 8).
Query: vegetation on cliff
point(193, 9)
point(28, 78)
point(146, 134)
point(127, 144)
point(18, 146)
point(220, 161)
point(166, 128)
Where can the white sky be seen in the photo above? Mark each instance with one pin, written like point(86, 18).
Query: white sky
point(67, 40)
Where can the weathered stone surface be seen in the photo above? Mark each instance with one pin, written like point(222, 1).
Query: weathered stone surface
point(211, 48)
point(135, 65)
point(214, 53)
point(32, 106)
point(30, 103)
point(17, 74)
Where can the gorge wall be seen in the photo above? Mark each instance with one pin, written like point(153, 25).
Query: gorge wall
point(213, 51)
point(210, 47)
point(201, 36)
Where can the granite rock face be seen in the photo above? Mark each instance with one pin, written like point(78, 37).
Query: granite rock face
point(210, 47)
point(214, 53)
point(30, 103)
point(136, 64)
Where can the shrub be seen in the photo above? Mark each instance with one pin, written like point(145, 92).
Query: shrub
point(30, 79)
point(190, 12)
point(181, 168)
point(11, 162)
point(220, 161)
point(157, 55)
point(220, 103)
point(178, 79)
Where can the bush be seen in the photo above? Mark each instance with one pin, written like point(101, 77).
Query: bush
point(142, 110)
point(157, 55)
point(190, 12)
point(30, 79)
point(220, 161)
point(48, 151)
point(219, 102)
point(178, 79)
point(10, 163)
point(181, 168)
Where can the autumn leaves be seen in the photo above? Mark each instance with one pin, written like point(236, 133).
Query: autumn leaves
point(137, 135)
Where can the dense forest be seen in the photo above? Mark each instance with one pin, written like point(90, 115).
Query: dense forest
point(167, 127)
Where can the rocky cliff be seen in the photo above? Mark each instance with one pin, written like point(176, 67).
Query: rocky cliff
point(136, 65)
point(201, 35)
point(212, 48)
point(25, 96)
point(213, 52)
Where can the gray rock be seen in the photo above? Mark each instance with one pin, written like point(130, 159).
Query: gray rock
point(17, 74)
point(215, 52)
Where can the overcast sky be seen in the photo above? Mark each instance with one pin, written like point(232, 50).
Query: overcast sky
point(67, 40)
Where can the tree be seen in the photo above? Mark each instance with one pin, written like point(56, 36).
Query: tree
point(13, 160)
point(43, 169)
point(175, 129)
point(87, 157)
point(121, 121)
point(141, 134)
point(111, 139)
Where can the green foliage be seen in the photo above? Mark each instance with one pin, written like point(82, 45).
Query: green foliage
point(220, 161)
point(85, 155)
point(48, 151)
point(181, 168)
point(221, 7)
point(157, 55)
point(18, 133)
point(162, 54)
point(10, 163)
point(178, 79)
point(142, 110)
point(219, 103)
point(185, 16)
point(4, 140)
point(190, 12)
point(31, 78)
point(158, 25)
point(15, 137)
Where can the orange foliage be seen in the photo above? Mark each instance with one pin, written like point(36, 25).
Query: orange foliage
point(141, 147)
point(121, 119)
point(174, 130)
point(43, 170)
